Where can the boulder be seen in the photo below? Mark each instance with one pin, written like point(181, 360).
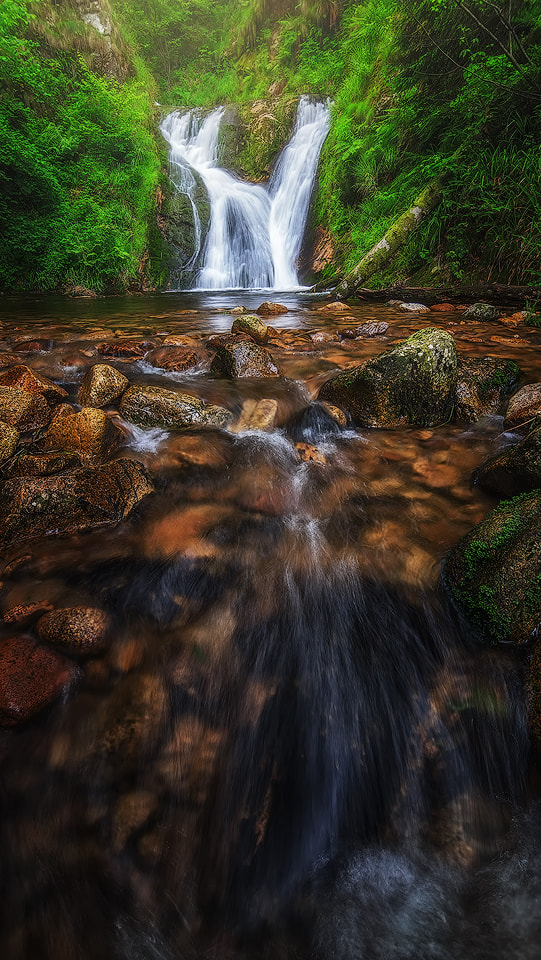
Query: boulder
point(523, 407)
point(494, 572)
point(482, 311)
point(269, 309)
point(24, 378)
point(174, 359)
point(101, 385)
point(150, 406)
point(413, 384)
point(73, 501)
point(26, 411)
point(516, 470)
point(252, 325)
point(31, 678)
point(372, 329)
point(78, 631)
point(243, 359)
point(482, 386)
point(414, 307)
point(9, 438)
point(89, 433)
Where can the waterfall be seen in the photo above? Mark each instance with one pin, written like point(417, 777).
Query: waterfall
point(255, 233)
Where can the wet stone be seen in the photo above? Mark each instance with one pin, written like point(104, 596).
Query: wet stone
point(78, 500)
point(24, 378)
point(24, 613)
point(78, 631)
point(523, 407)
point(89, 433)
point(40, 464)
point(26, 411)
point(150, 406)
point(482, 311)
point(244, 359)
point(270, 309)
point(9, 438)
point(482, 386)
point(372, 329)
point(337, 306)
point(101, 385)
point(31, 678)
point(173, 359)
point(257, 415)
point(125, 349)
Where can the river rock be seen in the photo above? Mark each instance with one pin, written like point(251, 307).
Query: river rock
point(252, 325)
point(31, 678)
point(516, 470)
point(482, 386)
point(494, 572)
point(89, 433)
point(26, 411)
point(243, 359)
point(101, 385)
point(77, 500)
point(174, 359)
point(151, 406)
point(523, 407)
point(414, 307)
point(125, 349)
point(26, 379)
point(482, 311)
point(257, 415)
point(411, 384)
point(9, 438)
point(40, 464)
point(372, 329)
point(78, 631)
point(269, 309)
point(337, 306)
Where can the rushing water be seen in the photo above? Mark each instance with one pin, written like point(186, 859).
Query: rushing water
point(255, 234)
point(292, 748)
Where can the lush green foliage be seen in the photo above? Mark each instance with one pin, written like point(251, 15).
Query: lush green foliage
point(78, 163)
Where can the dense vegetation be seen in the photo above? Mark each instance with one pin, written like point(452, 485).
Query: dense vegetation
point(444, 90)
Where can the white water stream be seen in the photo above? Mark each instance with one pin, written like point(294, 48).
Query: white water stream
point(255, 233)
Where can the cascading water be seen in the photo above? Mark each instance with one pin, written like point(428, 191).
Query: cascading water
point(255, 234)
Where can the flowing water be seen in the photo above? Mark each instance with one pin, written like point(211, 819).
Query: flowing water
point(292, 748)
point(255, 234)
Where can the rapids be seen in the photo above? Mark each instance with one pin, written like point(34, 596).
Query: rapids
point(293, 749)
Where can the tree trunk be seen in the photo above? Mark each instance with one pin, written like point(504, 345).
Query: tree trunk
point(498, 292)
point(395, 237)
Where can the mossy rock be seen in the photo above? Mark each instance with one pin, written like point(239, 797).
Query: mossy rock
point(411, 384)
point(482, 386)
point(184, 254)
point(252, 134)
point(494, 572)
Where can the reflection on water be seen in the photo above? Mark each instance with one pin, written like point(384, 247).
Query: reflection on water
point(291, 748)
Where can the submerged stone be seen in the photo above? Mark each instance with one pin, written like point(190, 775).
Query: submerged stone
point(31, 678)
point(412, 384)
point(494, 572)
point(172, 358)
point(517, 470)
point(73, 501)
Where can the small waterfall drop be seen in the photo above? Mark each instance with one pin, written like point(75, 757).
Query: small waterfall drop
point(255, 233)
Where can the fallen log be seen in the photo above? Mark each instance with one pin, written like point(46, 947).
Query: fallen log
point(394, 239)
point(492, 292)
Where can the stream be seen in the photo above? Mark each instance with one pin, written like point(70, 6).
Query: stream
point(291, 748)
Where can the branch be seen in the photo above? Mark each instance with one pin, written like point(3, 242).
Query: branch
point(512, 32)
point(510, 56)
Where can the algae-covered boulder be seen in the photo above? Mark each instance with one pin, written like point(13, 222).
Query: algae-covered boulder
point(484, 312)
point(516, 470)
point(243, 358)
point(411, 384)
point(150, 406)
point(482, 385)
point(494, 572)
point(252, 325)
